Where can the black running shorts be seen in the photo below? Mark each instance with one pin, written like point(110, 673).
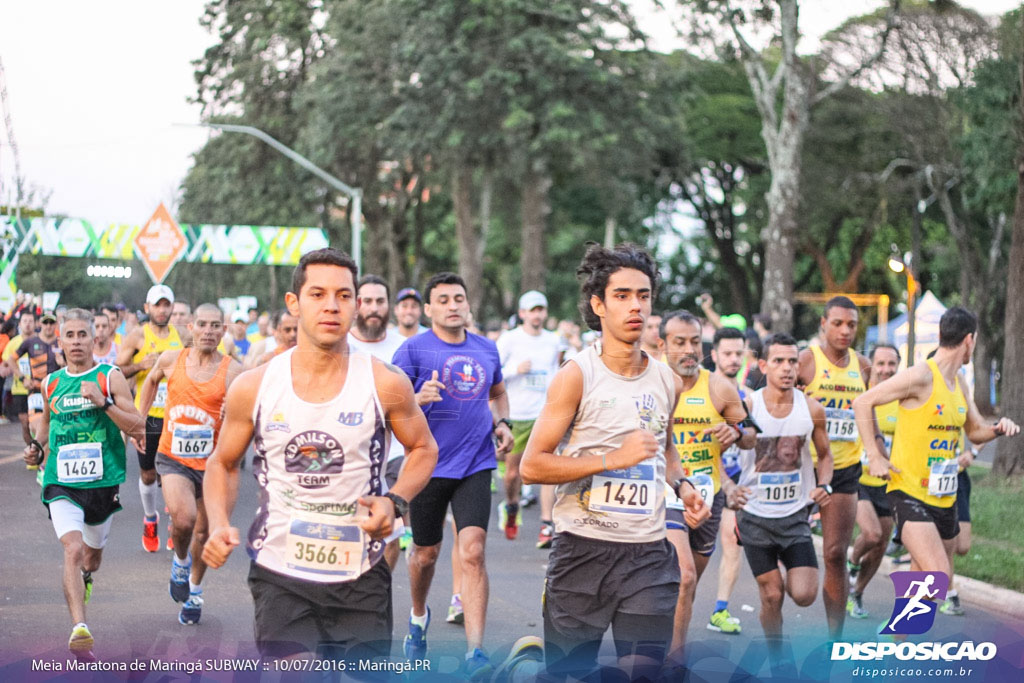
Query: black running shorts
point(768, 540)
point(906, 508)
point(470, 499)
point(846, 479)
point(350, 620)
point(704, 537)
point(963, 496)
point(97, 503)
point(876, 496)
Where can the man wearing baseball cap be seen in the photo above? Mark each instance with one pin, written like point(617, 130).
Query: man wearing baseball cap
point(140, 350)
point(408, 312)
point(530, 356)
point(235, 342)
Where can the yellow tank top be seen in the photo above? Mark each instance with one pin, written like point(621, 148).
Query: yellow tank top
point(886, 416)
point(835, 388)
point(926, 440)
point(695, 412)
point(150, 344)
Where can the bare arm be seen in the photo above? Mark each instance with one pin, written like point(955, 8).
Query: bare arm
point(726, 399)
point(977, 430)
point(500, 411)
point(123, 412)
point(806, 369)
point(409, 426)
point(220, 484)
point(541, 465)
point(129, 348)
point(821, 445)
point(162, 370)
point(906, 384)
point(42, 438)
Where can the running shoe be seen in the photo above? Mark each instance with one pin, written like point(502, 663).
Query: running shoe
point(415, 645)
point(87, 580)
point(150, 539)
point(852, 570)
point(510, 521)
point(80, 643)
point(478, 666)
point(855, 606)
point(952, 606)
point(722, 622)
point(526, 649)
point(546, 536)
point(179, 579)
point(192, 609)
point(455, 615)
point(405, 540)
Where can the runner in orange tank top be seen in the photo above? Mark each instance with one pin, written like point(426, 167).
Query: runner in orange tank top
point(197, 382)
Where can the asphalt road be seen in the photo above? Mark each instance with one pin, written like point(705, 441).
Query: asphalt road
point(133, 618)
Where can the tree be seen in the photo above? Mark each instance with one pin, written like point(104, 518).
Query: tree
point(783, 92)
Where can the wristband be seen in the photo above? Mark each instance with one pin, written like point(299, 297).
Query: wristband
point(39, 447)
point(680, 482)
point(505, 420)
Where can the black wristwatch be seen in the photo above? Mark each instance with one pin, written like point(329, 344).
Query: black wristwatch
point(505, 420)
point(401, 504)
point(679, 482)
point(108, 403)
point(827, 487)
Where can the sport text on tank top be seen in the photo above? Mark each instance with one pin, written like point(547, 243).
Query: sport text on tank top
point(193, 414)
point(778, 470)
point(628, 505)
point(313, 462)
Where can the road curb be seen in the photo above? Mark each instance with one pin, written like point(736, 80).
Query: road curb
point(975, 592)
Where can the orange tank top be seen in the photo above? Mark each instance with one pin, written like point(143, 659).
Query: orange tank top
point(193, 414)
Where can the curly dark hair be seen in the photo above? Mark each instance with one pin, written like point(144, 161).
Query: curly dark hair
point(597, 266)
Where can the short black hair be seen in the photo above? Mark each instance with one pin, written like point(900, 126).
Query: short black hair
point(685, 316)
point(108, 306)
point(371, 279)
point(871, 354)
point(765, 320)
point(955, 324)
point(597, 266)
point(28, 311)
point(777, 339)
point(838, 302)
point(753, 340)
point(327, 256)
point(726, 333)
point(445, 278)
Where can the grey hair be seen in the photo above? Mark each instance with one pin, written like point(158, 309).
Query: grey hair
point(84, 316)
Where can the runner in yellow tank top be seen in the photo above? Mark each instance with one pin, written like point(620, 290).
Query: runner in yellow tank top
point(874, 516)
point(835, 374)
point(707, 420)
point(923, 467)
point(140, 350)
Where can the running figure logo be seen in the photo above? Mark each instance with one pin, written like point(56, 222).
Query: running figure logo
point(917, 597)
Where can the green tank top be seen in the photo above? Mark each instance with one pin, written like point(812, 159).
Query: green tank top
point(86, 448)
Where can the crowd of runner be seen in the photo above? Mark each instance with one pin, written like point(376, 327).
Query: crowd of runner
point(649, 442)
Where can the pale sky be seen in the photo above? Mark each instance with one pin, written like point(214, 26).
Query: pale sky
point(95, 88)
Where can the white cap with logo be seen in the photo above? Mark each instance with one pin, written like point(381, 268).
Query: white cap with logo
point(239, 317)
point(158, 292)
point(531, 300)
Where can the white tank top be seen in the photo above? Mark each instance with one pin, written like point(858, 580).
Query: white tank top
point(110, 357)
point(313, 461)
point(778, 469)
point(624, 506)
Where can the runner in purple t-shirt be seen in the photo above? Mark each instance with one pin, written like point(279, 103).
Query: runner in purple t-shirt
point(458, 383)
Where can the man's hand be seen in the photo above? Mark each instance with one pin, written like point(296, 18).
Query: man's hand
point(32, 455)
point(1006, 427)
point(504, 436)
point(381, 520)
point(220, 544)
point(148, 361)
point(738, 497)
point(880, 467)
point(430, 392)
point(91, 391)
point(140, 446)
point(524, 367)
point(639, 445)
point(820, 496)
point(695, 511)
point(726, 434)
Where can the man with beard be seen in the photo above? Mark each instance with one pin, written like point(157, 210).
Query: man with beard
point(874, 515)
point(706, 421)
point(371, 335)
point(136, 357)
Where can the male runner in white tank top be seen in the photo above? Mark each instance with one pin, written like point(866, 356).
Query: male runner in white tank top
point(611, 564)
point(320, 417)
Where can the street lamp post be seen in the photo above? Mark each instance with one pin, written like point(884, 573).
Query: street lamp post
point(903, 265)
point(354, 193)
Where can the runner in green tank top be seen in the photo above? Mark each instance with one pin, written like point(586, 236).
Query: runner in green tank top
point(87, 408)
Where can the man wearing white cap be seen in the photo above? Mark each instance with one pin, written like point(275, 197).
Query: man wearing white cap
point(235, 342)
point(530, 356)
point(140, 350)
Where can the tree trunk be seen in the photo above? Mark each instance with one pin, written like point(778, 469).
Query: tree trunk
point(471, 263)
point(1010, 452)
point(535, 209)
point(780, 236)
point(983, 355)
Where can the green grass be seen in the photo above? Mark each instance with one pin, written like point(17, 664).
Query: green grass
point(997, 548)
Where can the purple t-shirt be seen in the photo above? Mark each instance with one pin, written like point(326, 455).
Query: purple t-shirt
point(461, 422)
